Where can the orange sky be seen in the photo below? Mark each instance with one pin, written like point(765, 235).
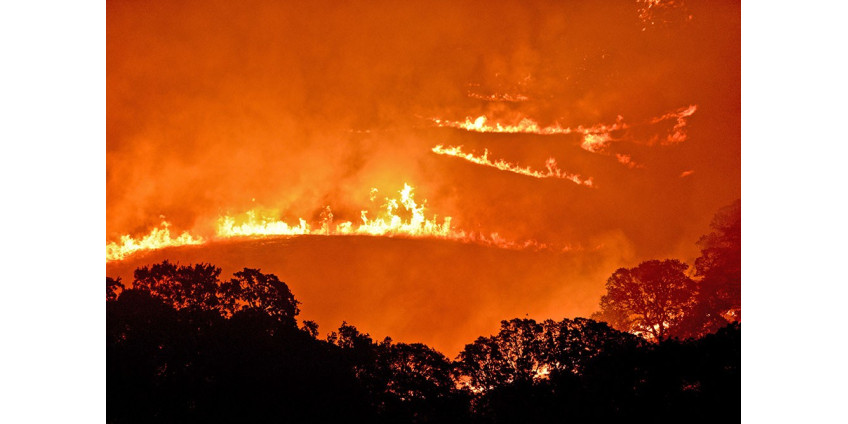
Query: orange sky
point(217, 108)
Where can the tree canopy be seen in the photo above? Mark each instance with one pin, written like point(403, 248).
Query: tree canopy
point(183, 346)
point(649, 299)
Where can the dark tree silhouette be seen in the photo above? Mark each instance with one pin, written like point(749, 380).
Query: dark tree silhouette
point(251, 289)
point(513, 355)
point(570, 345)
point(181, 286)
point(113, 288)
point(310, 327)
point(718, 277)
point(171, 357)
point(648, 299)
point(720, 263)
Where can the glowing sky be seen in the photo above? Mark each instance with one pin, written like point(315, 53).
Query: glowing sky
point(218, 108)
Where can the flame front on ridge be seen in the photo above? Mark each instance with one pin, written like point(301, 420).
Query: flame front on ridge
point(401, 216)
point(157, 238)
point(386, 223)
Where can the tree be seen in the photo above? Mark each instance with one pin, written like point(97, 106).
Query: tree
point(570, 345)
point(251, 289)
point(194, 286)
point(112, 286)
point(720, 263)
point(513, 355)
point(648, 299)
point(310, 327)
point(718, 276)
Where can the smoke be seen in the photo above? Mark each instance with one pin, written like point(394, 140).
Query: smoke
point(217, 108)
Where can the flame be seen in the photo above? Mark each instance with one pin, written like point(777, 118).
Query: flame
point(401, 216)
point(678, 132)
point(526, 126)
point(627, 161)
point(596, 138)
point(550, 164)
point(596, 142)
point(495, 97)
point(387, 223)
point(157, 239)
point(659, 13)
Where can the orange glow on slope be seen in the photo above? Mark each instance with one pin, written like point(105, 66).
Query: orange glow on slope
point(553, 170)
point(158, 238)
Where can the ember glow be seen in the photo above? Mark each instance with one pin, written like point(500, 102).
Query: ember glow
point(570, 138)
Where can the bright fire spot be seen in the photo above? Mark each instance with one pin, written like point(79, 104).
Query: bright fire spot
point(595, 142)
point(553, 170)
point(685, 174)
point(157, 239)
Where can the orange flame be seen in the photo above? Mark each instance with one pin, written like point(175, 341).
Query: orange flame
point(157, 239)
point(506, 97)
point(526, 126)
point(553, 170)
point(389, 222)
point(678, 134)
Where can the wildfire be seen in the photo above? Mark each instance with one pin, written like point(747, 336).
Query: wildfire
point(400, 216)
point(627, 161)
point(678, 132)
point(550, 164)
point(387, 223)
point(506, 97)
point(595, 142)
point(595, 139)
point(157, 239)
point(526, 126)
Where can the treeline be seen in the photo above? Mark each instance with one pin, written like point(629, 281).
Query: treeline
point(184, 345)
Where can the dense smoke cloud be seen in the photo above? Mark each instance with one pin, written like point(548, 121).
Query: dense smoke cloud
point(215, 108)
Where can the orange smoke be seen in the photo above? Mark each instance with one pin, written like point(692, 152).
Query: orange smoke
point(257, 128)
